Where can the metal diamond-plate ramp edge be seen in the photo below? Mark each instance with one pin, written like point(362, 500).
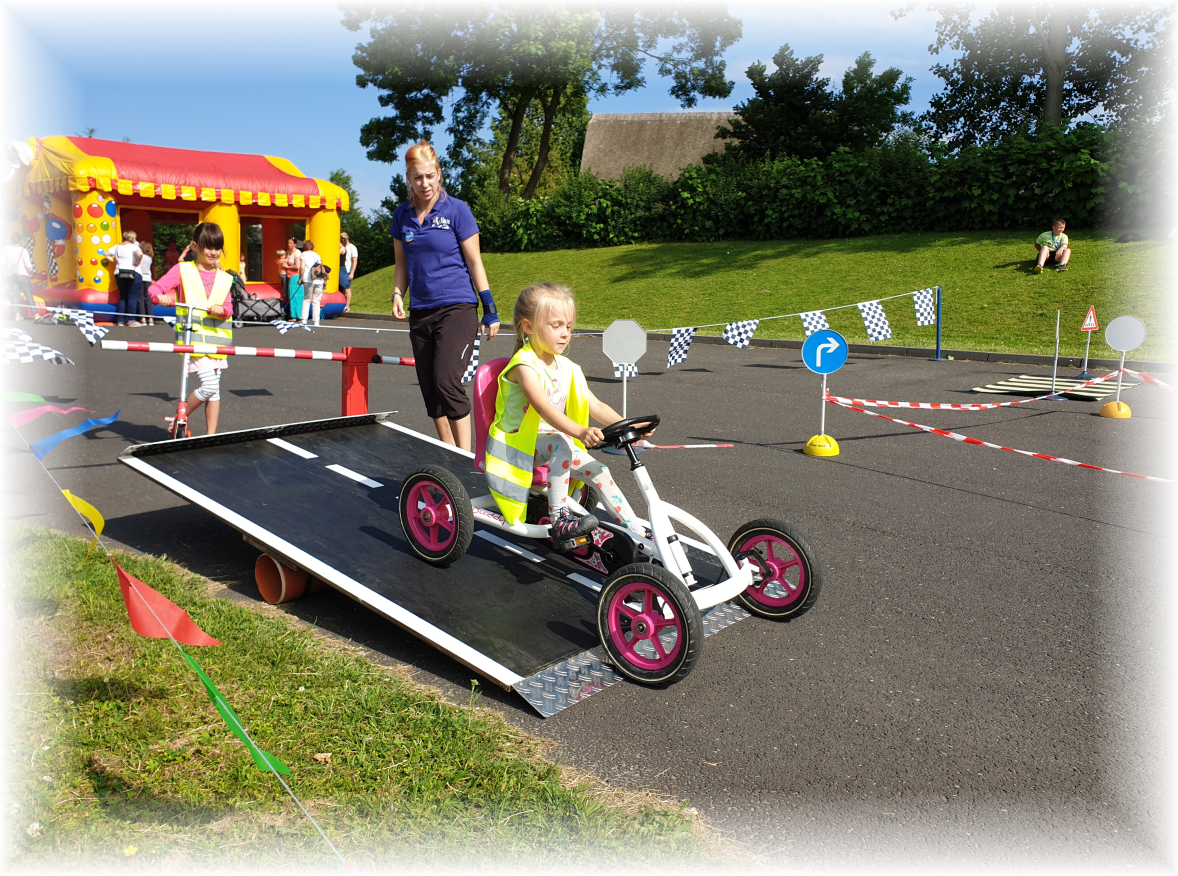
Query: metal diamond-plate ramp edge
point(567, 683)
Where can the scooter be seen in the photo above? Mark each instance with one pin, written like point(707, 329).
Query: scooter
point(179, 424)
point(650, 608)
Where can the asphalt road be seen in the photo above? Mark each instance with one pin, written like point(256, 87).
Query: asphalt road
point(985, 680)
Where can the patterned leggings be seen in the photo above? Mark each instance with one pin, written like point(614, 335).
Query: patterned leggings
point(565, 460)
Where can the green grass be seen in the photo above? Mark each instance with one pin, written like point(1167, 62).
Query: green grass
point(992, 301)
point(119, 756)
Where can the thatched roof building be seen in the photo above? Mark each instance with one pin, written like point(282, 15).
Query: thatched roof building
point(664, 142)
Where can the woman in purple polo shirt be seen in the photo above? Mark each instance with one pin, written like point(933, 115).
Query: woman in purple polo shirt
point(436, 246)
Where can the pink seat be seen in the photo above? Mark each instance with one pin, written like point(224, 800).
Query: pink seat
point(486, 392)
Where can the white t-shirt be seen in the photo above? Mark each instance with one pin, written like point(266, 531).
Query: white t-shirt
point(17, 261)
point(310, 259)
point(145, 269)
point(124, 255)
point(350, 253)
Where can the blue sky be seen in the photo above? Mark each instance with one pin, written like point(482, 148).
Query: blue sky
point(260, 64)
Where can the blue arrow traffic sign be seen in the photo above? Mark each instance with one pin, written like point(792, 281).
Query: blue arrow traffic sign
point(825, 351)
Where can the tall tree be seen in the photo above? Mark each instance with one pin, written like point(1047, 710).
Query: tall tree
point(794, 112)
point(422, 56)
point(1026, 64)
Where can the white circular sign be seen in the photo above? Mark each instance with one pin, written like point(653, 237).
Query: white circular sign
point(624, 342)
point(1125, 333)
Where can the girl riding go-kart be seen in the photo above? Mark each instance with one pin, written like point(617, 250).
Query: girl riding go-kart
point(545, 485)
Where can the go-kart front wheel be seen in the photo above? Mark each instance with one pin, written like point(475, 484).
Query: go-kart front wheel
point(649, 623)
point(791, 579)
point(436, 515)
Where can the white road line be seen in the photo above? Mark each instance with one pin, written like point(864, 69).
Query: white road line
point(509, 546)
point(359, 478)
point(588, 582)
point(297, 451)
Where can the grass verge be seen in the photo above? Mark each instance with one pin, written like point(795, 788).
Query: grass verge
point(118, 755)
point(992, 301)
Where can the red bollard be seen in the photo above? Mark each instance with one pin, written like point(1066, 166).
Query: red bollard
point(354, 391)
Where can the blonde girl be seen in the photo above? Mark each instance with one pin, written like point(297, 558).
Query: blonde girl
point(545, 404)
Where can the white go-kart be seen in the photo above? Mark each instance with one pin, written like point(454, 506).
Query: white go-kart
point(649, 610)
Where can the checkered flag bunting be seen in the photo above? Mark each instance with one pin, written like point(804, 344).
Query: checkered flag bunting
point(681, 339)
point(814, 321)
point(15, 334)
point(923, 300)
point(27, 352)
point(285, 325)
point(875, 321)
point(628, 370)
point(468, 374)
point(84, 320)
point(740, 333)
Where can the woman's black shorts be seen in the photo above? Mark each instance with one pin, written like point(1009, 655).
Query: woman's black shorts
point(443, 340)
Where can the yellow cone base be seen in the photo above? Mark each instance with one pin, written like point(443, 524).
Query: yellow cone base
point(821, 445)
point(1116, 410)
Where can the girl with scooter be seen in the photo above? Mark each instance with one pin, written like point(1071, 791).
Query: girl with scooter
point(542, 418)
point(206, 287)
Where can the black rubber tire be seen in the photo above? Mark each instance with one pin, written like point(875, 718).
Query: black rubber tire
point(445, 481)
point(812, 582)
point(682, 604)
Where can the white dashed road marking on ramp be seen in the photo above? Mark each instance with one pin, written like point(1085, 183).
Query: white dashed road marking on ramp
point(297, 451)
point(358, 478)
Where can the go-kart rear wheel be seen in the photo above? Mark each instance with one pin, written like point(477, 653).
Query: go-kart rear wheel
point(436, 515)
point(649, 624)
point(791, 581)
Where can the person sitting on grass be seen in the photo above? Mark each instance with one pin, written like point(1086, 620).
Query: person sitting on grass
point(1053, 246)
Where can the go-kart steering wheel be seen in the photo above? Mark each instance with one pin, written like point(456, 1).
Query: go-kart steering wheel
point(625, 432)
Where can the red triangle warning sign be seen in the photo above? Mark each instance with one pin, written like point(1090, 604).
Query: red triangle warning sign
point(1090, 321)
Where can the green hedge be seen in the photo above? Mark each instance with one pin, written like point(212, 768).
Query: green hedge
point(1089, 175)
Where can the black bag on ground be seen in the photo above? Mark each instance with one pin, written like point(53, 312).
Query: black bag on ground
point(248, 307)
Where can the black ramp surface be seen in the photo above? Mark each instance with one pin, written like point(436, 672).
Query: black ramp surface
point(522, 614)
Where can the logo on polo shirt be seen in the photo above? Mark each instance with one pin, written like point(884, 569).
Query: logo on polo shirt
point(408, 236)
point(441, 222)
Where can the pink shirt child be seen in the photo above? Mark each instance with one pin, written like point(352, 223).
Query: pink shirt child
point(169, 283)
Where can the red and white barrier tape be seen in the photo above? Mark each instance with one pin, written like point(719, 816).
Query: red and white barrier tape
point(1147, 379)
point(965, 439)
point(259, 352)
point(939, 406)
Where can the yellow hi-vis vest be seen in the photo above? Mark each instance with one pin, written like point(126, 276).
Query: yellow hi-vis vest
point(510, 455)
point(207, 329)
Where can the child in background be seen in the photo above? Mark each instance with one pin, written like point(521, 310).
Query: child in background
point(202, 284)
point(146, 310)
point(1053, 246)
point(543, 412)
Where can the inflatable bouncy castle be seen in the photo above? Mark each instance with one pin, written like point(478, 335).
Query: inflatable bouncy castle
point(71, 199)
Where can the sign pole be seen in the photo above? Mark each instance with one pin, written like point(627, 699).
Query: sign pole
point(938, 357)
point(1084, 375)
point(624, 369)
point(822, 427)
point(824, 352)
point(1055, 363)
point(1124, 333)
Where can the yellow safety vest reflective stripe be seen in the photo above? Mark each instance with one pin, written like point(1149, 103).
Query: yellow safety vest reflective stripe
point(205, 329)
point(510, 455)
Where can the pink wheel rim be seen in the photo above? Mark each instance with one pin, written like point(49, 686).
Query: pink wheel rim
point(431, 516)
point(786, 581)
point(645, 626)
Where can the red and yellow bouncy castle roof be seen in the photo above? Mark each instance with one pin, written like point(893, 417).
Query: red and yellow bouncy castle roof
point(80, 164)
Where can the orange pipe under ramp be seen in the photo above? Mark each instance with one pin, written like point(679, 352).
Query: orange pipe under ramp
point(279, 583)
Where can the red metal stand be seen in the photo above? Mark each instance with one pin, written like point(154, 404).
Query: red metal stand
point(354, 391)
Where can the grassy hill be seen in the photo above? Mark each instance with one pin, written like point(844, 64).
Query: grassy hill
point(992, 301)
